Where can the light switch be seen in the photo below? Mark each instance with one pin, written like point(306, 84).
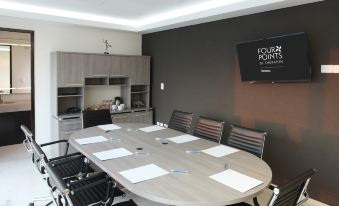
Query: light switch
point(162, 86)
point(329, 68)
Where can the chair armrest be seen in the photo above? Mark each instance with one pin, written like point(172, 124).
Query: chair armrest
point(57, 142)
point(54, 142)
point(65, 156)
point(272, 186)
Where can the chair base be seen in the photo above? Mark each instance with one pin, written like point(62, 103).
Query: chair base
point(42, 199)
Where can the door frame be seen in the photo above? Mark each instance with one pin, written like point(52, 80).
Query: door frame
point(31, 32)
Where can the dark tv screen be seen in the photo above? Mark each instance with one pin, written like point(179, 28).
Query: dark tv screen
point(275, 59)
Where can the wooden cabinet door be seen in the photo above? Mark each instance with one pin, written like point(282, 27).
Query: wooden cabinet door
point(125, 65)
point(121, 118)
point(98, 66)
point(115, 66)
point(70, 69)
point(142, 117)
point(140, 70)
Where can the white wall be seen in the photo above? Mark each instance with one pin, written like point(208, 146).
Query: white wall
point(62, 37)
point(95, 94)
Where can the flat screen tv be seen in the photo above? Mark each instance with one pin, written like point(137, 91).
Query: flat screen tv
point(275, 59)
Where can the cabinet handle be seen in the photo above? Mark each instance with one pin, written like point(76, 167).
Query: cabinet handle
point(70, 132)
point(74, 84)
point(99, 75)
point(139, 115)
point(69, 123)
point(120, 117)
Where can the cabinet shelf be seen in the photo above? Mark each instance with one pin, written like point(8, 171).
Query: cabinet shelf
point(139, 92)
point(65, 96)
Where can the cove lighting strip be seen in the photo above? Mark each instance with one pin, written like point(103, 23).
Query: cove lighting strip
point(213, 4)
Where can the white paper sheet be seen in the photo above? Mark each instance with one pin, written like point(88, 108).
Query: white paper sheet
point(183, 138)
point(113, 153)
point(220, 150)
point(152, 128)
point(91, 140)
point(107, 127)
point(143, 173)
point(236, 180)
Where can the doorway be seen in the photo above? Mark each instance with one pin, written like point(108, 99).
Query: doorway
point(17, 87)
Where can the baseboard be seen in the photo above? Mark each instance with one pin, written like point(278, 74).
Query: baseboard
point(315, 202)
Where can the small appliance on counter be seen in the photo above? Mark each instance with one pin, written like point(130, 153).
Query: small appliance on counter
point(73, 110)
point(117, 101)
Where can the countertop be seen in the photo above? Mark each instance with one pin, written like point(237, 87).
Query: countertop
point(15, 106)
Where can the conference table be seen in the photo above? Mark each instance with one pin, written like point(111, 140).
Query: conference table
point(192, 187)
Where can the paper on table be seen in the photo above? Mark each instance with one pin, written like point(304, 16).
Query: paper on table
point(113, 153)
point(183, 138)
point(143, 173)
point(152, 128)
point(107, 127)
point(91, 140)
point(220, 150)
point(236, 180)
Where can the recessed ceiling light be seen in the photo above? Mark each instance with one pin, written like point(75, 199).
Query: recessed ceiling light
point(186, 11)
point(118, 21)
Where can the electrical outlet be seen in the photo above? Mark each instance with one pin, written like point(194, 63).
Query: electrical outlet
point(165, 125)
point(158, 123)
point(161, 124)
point(162, 86)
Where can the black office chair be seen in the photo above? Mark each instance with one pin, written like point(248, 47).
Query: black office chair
point(71, 166)
point(250, 140)
point(180, 121)
point(209, 129)
point(93, 118)
point(292, 193)
point(97, 189)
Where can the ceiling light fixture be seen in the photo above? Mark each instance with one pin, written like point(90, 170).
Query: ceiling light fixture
point(173, 14)
point(186, 11)
point(62, 13)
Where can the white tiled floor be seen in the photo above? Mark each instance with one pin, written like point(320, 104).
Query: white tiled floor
point(20, 181)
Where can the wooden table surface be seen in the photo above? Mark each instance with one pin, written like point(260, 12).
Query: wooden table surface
point(194, 188)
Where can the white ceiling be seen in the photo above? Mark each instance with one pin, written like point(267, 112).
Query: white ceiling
point(139, 15)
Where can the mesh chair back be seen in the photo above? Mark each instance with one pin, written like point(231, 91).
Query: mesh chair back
point(93, 118)
point(247, 139)
point(180, 121)
point(209, 129)
point(290, 193)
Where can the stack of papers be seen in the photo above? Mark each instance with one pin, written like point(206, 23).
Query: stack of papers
point(108, 127)
point(236, 180)
point(183, 138)
point(152, 128)
point(143, 173)
point(220, 151)
point(113, 153)
point(91, 140)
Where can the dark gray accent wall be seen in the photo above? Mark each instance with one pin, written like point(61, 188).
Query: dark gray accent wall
point(199, 67)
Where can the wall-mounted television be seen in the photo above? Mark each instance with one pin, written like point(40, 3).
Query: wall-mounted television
point(275, 59)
